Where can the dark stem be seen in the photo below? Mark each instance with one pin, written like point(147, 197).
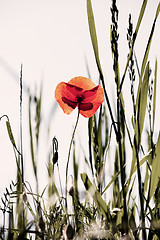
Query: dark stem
point(122, 168)
point(152, 148)
point(68, 161)
point(21, 144)
point(21, 125)
point(140, 191)
point(109, 105)
point(137, 146)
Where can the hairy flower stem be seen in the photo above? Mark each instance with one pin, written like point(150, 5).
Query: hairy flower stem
point(68, 162)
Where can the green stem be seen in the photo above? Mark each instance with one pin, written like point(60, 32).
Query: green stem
point(122, 169)
point(21, 145)
point(140, 191)
point(108, 104)
point(68, 161)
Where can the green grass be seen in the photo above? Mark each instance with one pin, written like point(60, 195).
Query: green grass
point(128, 204)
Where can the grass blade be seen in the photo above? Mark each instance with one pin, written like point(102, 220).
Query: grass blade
point(147, 157)
point(147, 52)
point(90, 143)
point(155, 174)
point(99, 134)
point(140, 118)
point(93, 35)
point(111, 182)
point(141, 15)
point(31, 141)
point(142, 103)
point(38, 116)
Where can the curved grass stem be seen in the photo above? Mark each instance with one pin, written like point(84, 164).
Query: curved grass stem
point(69, 152)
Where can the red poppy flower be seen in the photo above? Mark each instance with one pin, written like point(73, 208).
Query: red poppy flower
point(79, 92)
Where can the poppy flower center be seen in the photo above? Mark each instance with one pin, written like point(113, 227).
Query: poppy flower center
point(79, 99)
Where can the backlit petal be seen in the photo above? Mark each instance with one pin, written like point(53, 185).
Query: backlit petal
point(82, 82)
point(89, 95)
point(59, 93)
point(96, 101)
point(72, 91)
point(85, 106)
point(69, 102)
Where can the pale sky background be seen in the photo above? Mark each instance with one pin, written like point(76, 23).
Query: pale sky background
point(51, 39)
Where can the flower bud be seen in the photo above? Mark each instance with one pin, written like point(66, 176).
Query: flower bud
point(71, 191)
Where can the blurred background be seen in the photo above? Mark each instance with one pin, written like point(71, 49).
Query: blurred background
point(51, 40)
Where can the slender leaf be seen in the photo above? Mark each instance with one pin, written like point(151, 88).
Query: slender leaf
point(111, 182)
point(100, 133)
point(155, 174)
point(93, 34)
point(158, 10)
point(147, 157)
point(38, 115)
point(141, 15)
point(147, 178)
point(90, 143)
point(142, 103)
point(140, 118)
point(31, 141)
point(147, 52)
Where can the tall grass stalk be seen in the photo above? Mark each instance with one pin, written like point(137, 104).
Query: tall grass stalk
point(21, 125)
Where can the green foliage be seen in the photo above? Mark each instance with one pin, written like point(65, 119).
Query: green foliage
point(101, 205)
point(93, 34)
point(31, 141)
point(155, 174)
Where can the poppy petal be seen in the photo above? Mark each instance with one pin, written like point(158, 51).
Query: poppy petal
point(96, 101)
point(72, 91)
point(69, 102)
point(85, 106)
point(82, 82)
point(60, 91)
point(89, 95)
point(72, 87)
